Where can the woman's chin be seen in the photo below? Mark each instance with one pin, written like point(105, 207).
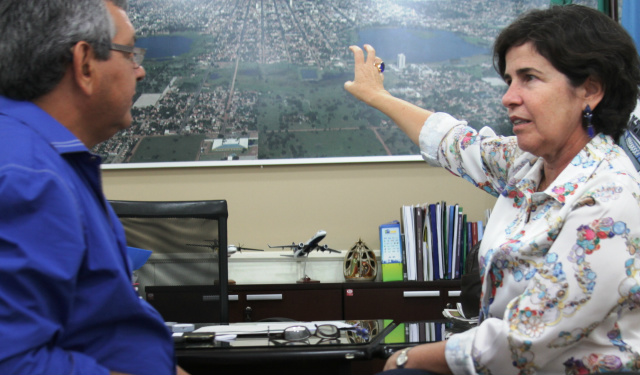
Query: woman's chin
point(524, 143)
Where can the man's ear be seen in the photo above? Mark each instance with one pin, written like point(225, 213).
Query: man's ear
point(84, 67)
point(593, 91)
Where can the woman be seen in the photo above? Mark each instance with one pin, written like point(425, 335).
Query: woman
point(560, 256)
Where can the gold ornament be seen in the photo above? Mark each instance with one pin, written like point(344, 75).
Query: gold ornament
point(360, 263)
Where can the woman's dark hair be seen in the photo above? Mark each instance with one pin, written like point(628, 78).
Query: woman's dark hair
point(581, 42)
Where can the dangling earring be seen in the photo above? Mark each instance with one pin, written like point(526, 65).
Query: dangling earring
point(587, 115)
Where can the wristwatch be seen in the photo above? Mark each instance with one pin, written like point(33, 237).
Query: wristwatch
point(403, 357)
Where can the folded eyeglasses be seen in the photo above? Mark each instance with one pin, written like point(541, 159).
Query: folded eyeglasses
point(301, 334)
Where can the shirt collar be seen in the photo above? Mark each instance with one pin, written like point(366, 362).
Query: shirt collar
point(582, 167)
point(601, 148)
point(56, 134)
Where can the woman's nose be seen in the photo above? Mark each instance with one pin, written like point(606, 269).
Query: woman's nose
point(511, 97)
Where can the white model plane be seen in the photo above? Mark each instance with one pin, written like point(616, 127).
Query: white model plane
point(304, 248)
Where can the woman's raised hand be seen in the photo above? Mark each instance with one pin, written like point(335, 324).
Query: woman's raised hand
point(368, 81)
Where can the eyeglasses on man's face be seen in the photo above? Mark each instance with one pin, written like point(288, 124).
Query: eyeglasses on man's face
point(137, 53)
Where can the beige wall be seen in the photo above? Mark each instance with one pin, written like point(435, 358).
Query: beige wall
point(278, 204)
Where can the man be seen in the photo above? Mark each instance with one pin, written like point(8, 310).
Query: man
point(67, 77)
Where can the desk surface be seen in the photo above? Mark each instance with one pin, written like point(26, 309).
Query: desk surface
point(256, 354)
point(253, 353)
point(351, 344)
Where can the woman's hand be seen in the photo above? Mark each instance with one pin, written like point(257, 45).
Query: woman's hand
point(367, 87)
point(367, 83)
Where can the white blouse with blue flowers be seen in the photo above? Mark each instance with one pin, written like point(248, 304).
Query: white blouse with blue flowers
point(561, 268)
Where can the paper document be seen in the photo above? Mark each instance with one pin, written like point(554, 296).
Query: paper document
point(264, 328)
point(225, 337)
point(457, 315)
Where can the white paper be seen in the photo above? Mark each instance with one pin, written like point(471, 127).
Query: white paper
point(264, 328)
point(225, 337)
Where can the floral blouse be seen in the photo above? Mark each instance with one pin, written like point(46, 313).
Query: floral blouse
point(561, 268)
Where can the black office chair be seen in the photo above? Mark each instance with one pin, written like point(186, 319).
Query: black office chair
point(186, 277)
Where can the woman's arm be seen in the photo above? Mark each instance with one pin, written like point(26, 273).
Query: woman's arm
point(482, 168)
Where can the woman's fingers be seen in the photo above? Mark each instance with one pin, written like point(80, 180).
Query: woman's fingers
point(371, 54)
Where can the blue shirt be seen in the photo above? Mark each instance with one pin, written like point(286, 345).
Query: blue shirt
point(67, 305)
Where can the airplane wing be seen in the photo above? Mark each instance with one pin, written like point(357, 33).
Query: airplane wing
point(293, 246)
point(240, 248)
point(326, 248)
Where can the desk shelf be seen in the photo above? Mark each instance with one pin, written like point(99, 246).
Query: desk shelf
point(399, 300)
point(304, 302)
point(402, 301)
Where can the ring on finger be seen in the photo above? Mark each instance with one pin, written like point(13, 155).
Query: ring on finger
point(380, 66)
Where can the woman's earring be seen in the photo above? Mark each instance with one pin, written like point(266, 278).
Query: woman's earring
point(587, 115)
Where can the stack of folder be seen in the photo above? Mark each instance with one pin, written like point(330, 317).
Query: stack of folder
point(416, 332)
point(430, 242)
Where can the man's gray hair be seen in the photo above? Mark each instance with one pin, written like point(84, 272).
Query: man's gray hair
point(37, 37)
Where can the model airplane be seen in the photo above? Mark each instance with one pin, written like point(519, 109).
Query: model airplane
point(231, 249)
point(304, 248)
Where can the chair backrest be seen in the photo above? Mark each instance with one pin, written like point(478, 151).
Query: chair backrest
point(189, 244)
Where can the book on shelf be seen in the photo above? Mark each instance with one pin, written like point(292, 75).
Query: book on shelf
point(461, 249)
point(419, 235)
point(439, 236)
point(427, 245)
point(435, 246)
point(436, 238)
point(453, 250)
point(408, 228)
point(466, 247)
point(419, 332)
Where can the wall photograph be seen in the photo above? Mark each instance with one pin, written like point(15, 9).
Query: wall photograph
point(263, 79)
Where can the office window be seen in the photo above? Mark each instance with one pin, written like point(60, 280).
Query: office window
point(263, 79)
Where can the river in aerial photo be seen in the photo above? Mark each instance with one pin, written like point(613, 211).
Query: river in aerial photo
point(419, 46)
point(165, 46)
